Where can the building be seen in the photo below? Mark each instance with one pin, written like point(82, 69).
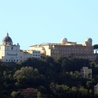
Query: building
point(34, 53)
point(10, 52)
point(96, 89)
point(29, 92)
point(86, 72)
point(67, 49)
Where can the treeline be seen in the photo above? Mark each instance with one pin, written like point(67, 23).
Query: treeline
point(49, 78)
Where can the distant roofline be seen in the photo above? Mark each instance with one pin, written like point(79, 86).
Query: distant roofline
point(72, 43)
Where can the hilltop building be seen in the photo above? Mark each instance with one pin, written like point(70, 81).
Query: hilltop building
point(86, 72)
point(10, 52)
point(67, 49)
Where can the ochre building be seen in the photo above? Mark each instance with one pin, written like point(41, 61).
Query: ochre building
point(67, 49)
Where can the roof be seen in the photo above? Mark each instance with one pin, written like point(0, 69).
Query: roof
point(7, 39)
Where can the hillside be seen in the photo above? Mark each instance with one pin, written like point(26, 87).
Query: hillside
point(48, 78)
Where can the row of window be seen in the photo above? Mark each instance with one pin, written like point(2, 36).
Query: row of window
point(83, 49)
point(85, 57)
point(69, 52)
point(9, 48)
point(37, 52)
point(36, 55)
point(9, 60)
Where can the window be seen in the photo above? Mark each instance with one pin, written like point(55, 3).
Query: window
point(12, 48)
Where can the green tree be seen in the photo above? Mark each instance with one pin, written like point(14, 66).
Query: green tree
point(17, 94)
point(39, 95)
point(27, 76)
point(74, 91)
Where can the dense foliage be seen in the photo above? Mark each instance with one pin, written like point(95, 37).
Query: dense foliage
point(50, 78)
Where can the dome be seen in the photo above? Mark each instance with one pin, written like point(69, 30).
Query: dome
point(64, 40)
point(7, 40)
point(89, 39)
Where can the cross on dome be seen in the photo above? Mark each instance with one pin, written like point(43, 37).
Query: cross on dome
point(7, 34)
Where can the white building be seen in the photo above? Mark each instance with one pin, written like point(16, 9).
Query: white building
point(34, 53)
point(96, 89)
point(86, 72)
point(10, 52)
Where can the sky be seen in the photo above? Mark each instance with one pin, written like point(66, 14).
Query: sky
point(31, 22)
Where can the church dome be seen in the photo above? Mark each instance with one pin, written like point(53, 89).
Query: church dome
point(7, 40)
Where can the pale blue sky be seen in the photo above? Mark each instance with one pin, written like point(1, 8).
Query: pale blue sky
point(30, 22)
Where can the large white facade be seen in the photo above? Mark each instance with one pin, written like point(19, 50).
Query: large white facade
point(10, 52)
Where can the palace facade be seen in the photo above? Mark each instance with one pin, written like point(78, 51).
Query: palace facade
point(67, 49)
point(10, 52)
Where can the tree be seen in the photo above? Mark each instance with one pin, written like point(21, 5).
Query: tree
point(16, 94)
point(27, 76)
point(39, 95)
point(89, 85)
point(83, 91)
point(74, 91)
